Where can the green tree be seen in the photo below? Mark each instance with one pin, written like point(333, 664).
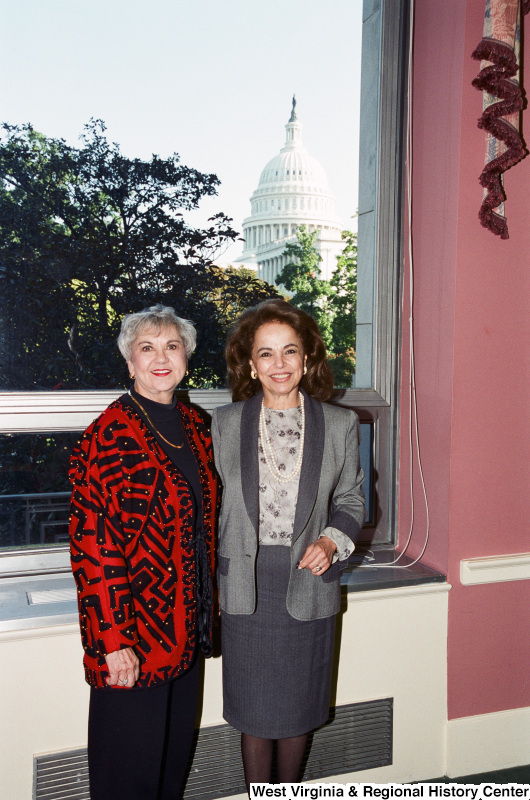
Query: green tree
point(343, 309)
point(331, 303)
point(236, 289)
point(343, 300)
point(301, 277)
point(226, 294)
point(87, 235)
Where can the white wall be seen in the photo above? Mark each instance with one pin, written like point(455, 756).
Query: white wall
point(43, 701)
point(393, 644)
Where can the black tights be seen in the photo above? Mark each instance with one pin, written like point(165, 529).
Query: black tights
point(257, 758)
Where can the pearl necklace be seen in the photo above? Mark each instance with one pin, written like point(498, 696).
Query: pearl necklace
point(281, 477)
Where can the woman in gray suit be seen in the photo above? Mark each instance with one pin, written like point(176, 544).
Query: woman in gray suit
point(292, 509)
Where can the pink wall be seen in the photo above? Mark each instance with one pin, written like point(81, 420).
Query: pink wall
point(438, 48)
point(472, 356)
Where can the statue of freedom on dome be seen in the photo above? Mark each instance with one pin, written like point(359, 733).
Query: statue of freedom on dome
point(293, 112)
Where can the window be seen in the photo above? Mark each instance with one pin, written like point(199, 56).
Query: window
point(31, 422)
point(34, 492)
point(380, 250)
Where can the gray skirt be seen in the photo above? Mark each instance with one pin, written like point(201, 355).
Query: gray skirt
point(276, 669)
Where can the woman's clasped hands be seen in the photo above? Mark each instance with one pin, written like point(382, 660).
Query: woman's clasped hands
point(124, 667)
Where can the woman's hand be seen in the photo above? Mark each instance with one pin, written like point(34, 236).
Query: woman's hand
point(124, 667)
point(318, 556)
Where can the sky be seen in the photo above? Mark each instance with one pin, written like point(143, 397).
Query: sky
point(211, 80)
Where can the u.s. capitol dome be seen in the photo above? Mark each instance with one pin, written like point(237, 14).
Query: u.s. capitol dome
point(293, 190)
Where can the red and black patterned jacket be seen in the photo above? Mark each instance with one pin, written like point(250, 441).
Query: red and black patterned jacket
point(132, 543)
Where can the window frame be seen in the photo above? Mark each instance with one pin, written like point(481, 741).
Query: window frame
point(380, 249)
point(56, 412)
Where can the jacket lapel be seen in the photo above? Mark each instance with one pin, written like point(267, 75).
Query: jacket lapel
point(311, 463)
point(249, 456)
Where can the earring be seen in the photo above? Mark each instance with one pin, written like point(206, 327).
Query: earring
point(132, 377)
point(187, 372)
point(305, 369)
point(253, 374)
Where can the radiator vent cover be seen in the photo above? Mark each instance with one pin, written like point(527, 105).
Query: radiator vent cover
point(357, 737)
point(61, 776)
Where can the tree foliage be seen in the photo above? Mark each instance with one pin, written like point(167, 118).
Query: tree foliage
point(87, 235)
point(301, 277)
point(331, 303)
point(343, 300)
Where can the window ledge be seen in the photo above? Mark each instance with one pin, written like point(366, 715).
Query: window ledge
point(380, 574)
point(30, 602)
point(73, 411)
point(49, 601)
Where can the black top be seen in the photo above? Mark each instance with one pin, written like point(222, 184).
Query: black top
point(163, 420)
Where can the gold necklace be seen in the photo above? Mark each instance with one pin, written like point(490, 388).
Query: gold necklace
point(176, 446)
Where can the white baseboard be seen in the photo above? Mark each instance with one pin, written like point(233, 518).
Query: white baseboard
point(488, 742)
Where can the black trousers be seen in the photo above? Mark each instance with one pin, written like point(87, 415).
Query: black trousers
point(139, 740)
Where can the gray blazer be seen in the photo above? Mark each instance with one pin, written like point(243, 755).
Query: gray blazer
point(329, 494)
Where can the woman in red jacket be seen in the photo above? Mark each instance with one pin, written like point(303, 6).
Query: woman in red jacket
point(141, 531)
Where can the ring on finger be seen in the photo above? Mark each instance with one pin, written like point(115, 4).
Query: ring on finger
point(318, 568)
point(125, 682)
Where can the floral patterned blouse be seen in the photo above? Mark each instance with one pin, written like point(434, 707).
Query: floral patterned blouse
point(277, 501)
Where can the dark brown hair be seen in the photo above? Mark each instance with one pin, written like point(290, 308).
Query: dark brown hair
point(318, 380)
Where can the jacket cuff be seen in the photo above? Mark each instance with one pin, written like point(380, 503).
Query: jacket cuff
point(346, 524)
point(345, 546)
point(109, 641)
